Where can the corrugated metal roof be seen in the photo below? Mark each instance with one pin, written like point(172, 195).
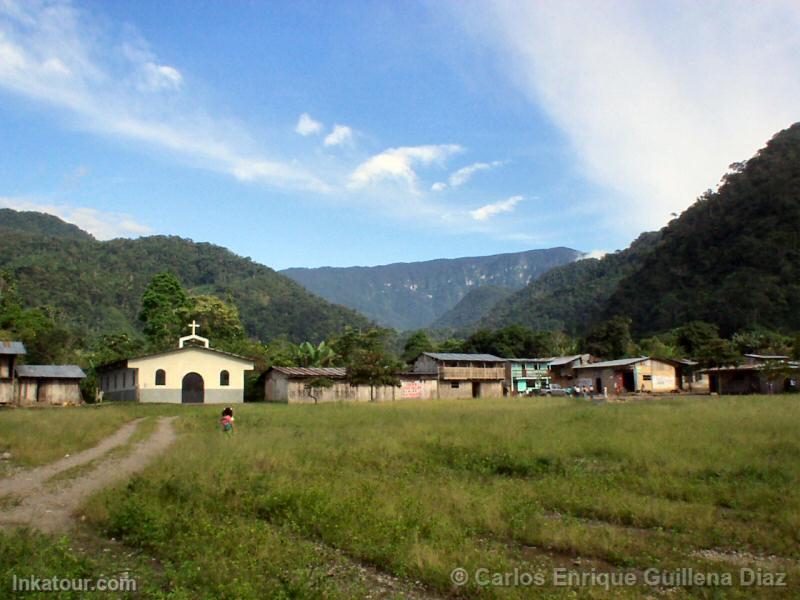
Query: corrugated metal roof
point(558, 361)
point(331, 372)
point(768, 356)
point(537, 360)
point(621, 362)
point(748, 367)
point(684, 361)
point(12, 348)
point(464, 357)
point(51, 371)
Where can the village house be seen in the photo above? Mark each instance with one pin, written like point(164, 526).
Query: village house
point(193, 373)
point(527, 375)
point(626, 375)
point(690, 377)
point(463, 375)
point(9, 355)
point(49, 384)
point(562, 368)
point(36, 385)
point(760, 374)
point(295, 385)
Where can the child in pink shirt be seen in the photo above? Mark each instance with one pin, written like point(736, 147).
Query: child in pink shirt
point(227, 421)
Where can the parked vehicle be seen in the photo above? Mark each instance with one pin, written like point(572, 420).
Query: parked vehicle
point(553, 390)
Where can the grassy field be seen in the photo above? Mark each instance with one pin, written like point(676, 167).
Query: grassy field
point(302, 499)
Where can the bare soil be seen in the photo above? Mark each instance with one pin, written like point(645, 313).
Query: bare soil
point(50, 509)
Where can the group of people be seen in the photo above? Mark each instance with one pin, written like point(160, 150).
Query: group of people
point(587, 391)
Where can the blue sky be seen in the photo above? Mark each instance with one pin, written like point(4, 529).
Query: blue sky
point(342, 133)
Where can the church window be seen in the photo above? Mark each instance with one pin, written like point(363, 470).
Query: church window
point(161, 377)
point(224, 378)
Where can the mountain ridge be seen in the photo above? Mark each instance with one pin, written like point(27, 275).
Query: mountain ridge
point(731, 259)
point(412, 295)
point(97, 286)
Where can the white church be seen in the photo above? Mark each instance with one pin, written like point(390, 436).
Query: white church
point(193, 373)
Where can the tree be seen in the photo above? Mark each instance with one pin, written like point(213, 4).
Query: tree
point(368, 362)
point(717, 353)
point(315, 386)
point(165, 308)
point(514, 341)
point(762, 341)
point(217, 319)
point(610, 339)
point(417, 343)
point(451, 345)
point(309, 355)
point(693, 336)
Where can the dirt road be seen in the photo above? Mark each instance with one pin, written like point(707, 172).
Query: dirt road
point(50, 509)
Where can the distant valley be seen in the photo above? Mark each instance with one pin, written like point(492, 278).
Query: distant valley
point(415, 295)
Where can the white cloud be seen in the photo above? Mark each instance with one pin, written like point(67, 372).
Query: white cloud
point(656, 99)
point(463, 175)
point(502, 206)
point(593, 254)
point(397, 164)
point(57, 55)
point(161, 77)
point(101, 224)
point(307, 126)
point(439, 186)
point(341, 134)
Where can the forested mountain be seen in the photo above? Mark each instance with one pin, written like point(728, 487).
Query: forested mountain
point(40, 223)
point(97, 286)
point(472, 308)
point(731, 259)
point(413, 295)
point(572, 297)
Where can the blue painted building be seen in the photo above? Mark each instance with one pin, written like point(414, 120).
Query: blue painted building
point(525, 375)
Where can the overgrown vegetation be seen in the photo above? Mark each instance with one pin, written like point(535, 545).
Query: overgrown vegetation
point(96, 287)
point(732, 259)
point(415, 489)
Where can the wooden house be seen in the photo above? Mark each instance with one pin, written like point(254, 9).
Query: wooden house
point(562, 368)
point(9, 355)
point(626, 375)
point(294, 385)
point(760, 374)
point(463, 375)
point(43, 385)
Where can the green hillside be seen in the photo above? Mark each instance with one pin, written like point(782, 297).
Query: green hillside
point(97, 286)
point(414, 295)
point(472, 308)
point(731, 259)
point(572, 297)
point(40, 223)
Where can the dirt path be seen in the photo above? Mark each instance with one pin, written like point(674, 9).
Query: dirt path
point(22, 483)
point(51, 510)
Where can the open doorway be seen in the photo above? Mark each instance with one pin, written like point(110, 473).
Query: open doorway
point(476, 389)
point(627, 381)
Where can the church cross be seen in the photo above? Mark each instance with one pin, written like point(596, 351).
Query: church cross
point(194, 327)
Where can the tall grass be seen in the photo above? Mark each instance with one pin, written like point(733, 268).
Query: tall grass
point(36, 436)
point(417, 489)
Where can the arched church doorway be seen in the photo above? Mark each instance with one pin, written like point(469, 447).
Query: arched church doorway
point(192, 389)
